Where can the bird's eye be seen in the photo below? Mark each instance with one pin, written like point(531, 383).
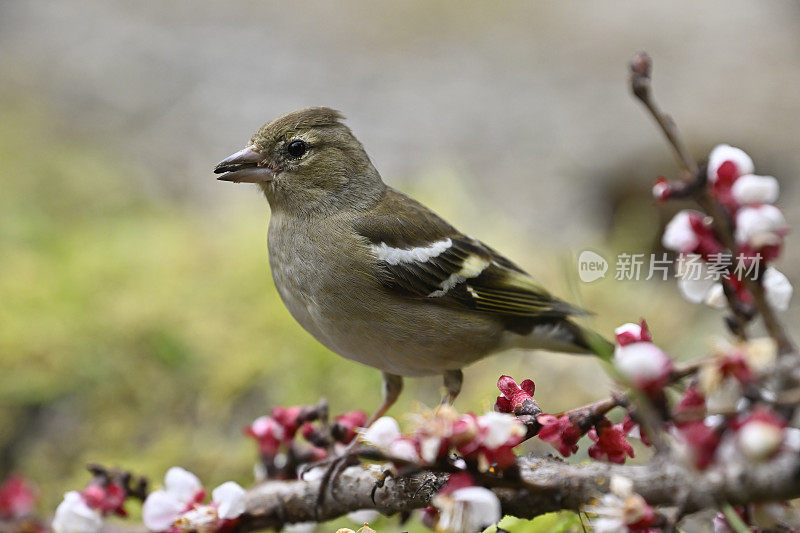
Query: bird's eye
point(296, 148)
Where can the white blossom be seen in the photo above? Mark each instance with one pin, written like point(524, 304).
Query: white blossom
point(635, 330)
point(725, 152)
point(679, 234)
point(759, 226)
point(363, 516)
point(300, 527)
point(752, 189)
point(160, 510)
point(404, 449)
point(641, 361)
point(382, 433)
point(619, 508)
point(200, 518)
point(230, 499)
point(695, 290)
point(163, 506)
point(429, 448)
point(182, 484)
point(500, 427)
point(758, 440)
point(777, 289)
point(74, 516)
point(466, 510)
point(715, 297)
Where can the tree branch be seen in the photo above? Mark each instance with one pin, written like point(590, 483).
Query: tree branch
point(546, 485)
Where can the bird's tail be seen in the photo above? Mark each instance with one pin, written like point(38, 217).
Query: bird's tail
point(563, 335)
point(591, 341)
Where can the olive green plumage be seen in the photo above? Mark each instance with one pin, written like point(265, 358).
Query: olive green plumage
point(378, 277)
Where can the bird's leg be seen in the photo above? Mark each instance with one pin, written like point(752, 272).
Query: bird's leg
point(452, 384)
point(392, 386)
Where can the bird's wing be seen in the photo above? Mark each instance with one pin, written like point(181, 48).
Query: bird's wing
point(419, 255)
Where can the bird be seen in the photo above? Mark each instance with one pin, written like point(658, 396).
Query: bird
point(379, 278)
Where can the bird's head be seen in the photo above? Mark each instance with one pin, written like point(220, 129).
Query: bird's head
point(306, 162)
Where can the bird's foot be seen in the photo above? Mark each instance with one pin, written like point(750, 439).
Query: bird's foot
point(327, 471)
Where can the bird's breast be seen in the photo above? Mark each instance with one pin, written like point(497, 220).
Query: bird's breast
point(330, 287)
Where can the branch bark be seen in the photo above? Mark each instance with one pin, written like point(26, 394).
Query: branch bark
point(546, 485)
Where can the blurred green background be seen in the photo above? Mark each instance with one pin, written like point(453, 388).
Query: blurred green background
point(139, 326)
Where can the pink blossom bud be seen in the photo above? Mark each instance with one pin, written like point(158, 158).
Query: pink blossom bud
point(727, 163)
point(630, 333)
point(735, 365)
point(693, 400)
point(289, 418)
point(344, 426)
point(108, 498)
point(702, 441)
point(429, 516)
point(631, 428)
point(269, 434)
point(513, 395)
point(760, 434)
point(661, 189)
point(17, 498)
point(560, 432)
point(609, 443)
point(644, 364)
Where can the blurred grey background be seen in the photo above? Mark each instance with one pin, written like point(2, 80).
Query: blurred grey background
point(138, 323)
point(526, 101)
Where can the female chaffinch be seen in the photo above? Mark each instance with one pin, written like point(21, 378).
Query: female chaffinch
point(379, 278)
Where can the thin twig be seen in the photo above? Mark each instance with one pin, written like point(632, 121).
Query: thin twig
point(640, 70)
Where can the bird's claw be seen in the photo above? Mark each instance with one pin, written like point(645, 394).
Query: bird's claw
point(335, 466)
point(380, 482)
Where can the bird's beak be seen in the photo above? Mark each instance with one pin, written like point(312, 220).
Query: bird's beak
point(245, 166)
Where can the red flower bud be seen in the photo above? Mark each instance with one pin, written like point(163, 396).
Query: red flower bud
point(513, 395)
point(609, 442)
point(560, 432)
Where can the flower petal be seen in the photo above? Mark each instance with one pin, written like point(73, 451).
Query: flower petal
point(778, 289)
point(752, 189)
point(761, 225)
point(74, 516)
point(679, 234)
point(230, 498)
point(182, 484)
point(642, 362)
point(381, 433)
point(715, 297)
point(473, 509)
point(363, 516)
point(759, 440)
point(694, 289)
point(500, 427)
point(160, 510)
